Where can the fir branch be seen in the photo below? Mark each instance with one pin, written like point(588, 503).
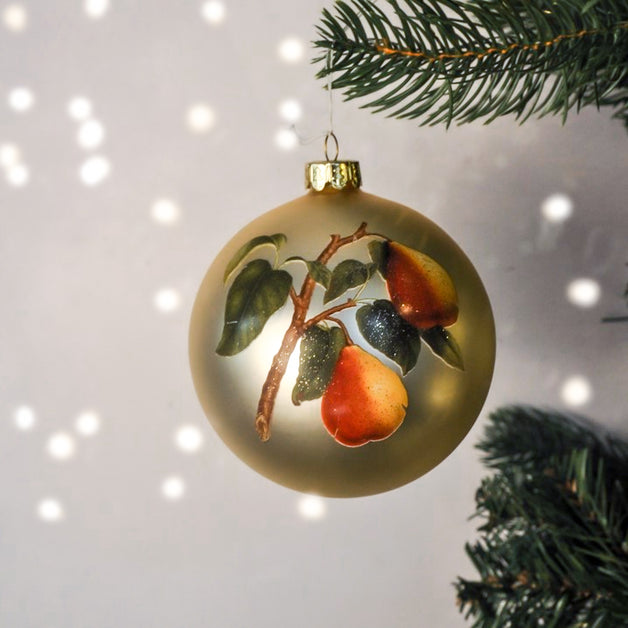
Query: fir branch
point(445, 60)
point(554, 544)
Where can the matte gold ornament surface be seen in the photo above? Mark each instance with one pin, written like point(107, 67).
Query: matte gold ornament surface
point(259, 312)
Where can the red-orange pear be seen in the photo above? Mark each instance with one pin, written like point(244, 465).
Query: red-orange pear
point(364, 401)
point(420, 288)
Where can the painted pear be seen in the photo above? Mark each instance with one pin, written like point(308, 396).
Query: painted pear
point(420, 288)
point(364, 401)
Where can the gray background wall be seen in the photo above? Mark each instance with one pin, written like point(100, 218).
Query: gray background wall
point(118, 504)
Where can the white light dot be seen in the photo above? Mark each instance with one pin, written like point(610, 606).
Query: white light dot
point(557, 207)
point(96, 8)
point(165, 211)
point(18, 175)
point(312, 507)
point(24, 418)
point(576, 391)
point(61, 446)
point(584, 292)
point(286, 139)
point(91, 134)
point(200, 118)
point(291, 50)
point(189, 438)
point(15, 17)
point(213, 11)
point(50, 510)
point(79, 108)
point(290, 110)
point(173, 487)
point(167, 300)
point(87, 423)
point(9, 155)
point(21, 99)
point(95, 170)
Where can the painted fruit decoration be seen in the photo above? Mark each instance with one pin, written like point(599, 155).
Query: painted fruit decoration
point(420, 288)
point(362, 399)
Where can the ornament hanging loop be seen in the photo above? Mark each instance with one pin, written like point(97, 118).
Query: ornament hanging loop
point(328, 136)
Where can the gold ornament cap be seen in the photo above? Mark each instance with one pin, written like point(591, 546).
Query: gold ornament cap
point(338, 175)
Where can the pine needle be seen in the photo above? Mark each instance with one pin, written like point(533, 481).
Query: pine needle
point(553, 549)
point(442, 61)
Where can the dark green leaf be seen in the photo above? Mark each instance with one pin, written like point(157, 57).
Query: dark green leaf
point(348, 274)
point(444, 345)
point(255, 295)
point(385, 330)
point(318, 271)
point(319, 352)
point(379, 254)
point(276, 240)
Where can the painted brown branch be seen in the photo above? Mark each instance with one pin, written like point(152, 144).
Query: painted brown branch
point(297, 328)
point(343, 327)
point(327, 314)
point(294, 296)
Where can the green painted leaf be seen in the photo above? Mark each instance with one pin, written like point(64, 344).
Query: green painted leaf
point(255, 295)
point(348, 274)
point(443, 345)
point(276, 240)
point(318, 271)
point(379, 254)
point(318, 356)
point(385, 330)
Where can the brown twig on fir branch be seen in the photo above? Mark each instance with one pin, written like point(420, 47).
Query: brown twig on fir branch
point(384, 47)
point(297, 328)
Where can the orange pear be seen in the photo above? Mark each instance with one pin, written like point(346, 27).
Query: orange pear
point(420, 288)
point(364, 401)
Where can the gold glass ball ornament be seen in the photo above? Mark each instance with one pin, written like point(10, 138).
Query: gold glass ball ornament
point(341, 344)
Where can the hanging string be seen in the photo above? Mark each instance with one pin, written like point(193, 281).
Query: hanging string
point(330, 132)
point(330, 135)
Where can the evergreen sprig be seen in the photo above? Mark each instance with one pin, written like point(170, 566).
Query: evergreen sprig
point(461, 60)
point(554, 544)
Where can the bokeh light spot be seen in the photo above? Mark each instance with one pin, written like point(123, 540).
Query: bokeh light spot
point(584, 292)
point(557, 208)
point(24, 418)
point(95, 170)
point(18, 175)
point(79, 108)
point(312, 507)
point(165, 211)
point(61, 446)
point(91, 134)
point(291, 50)
point(290, 110)
point(96, 8)
point(576, 391)
point(286, 139)
point(15, 18)
point(189, 438)
point(213, 11)
point(9, 155)
point(200, 118)
point(21, 99)
point(167, 300)
point(173, 488)
point(87, 423)
point(50, 510)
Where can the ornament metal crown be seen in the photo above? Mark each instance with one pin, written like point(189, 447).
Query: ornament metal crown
point(339, 175)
